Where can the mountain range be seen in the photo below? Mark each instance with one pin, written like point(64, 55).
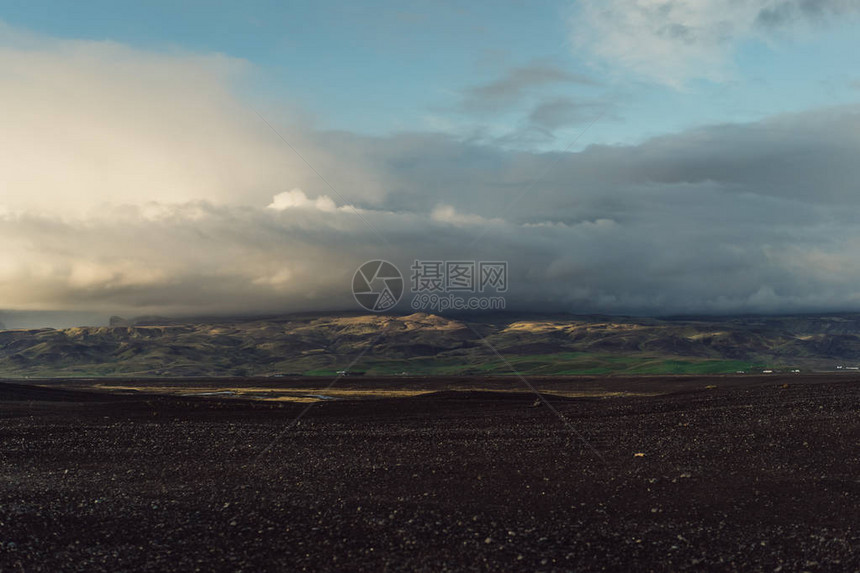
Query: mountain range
point(427, 344)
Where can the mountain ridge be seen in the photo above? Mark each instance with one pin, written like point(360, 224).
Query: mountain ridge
point(421, 343)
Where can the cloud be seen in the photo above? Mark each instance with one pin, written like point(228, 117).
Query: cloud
point(563, 112)
point(296, 199)
point(138, 183)
point(789, 12)
point(516, 84)
point(94, 123)
point(448, 214)
point(736, 218)
point(672, 41)
point(526, 105)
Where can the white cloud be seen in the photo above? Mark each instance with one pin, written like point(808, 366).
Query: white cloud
point(95, 123)
point(671, 41)
point(87, 124)
point(448, 214)
point(296, 199)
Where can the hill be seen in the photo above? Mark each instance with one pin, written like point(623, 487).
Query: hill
point(430, 344)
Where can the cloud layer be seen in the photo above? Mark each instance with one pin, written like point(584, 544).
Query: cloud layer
point(137, 183)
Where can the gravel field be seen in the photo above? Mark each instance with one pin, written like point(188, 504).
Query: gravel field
point(758, 477)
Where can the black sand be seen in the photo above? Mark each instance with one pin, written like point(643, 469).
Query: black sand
point(743, 477)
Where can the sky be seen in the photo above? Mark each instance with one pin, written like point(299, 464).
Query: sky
point(623, 156)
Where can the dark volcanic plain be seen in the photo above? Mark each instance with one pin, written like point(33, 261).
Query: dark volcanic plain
point(756, 474)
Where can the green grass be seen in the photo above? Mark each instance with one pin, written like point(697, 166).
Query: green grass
point(568, 363)
point(693, 367)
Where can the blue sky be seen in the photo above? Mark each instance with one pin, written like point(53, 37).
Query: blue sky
point(385, 66)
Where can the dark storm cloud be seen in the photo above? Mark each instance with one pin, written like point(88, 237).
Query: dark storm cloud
point(755, 217)
point(808, 158)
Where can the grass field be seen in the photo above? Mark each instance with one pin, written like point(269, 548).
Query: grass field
point(566, 363)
